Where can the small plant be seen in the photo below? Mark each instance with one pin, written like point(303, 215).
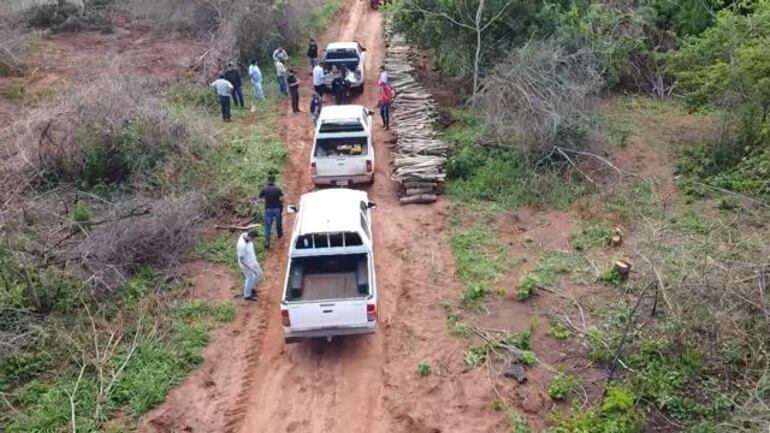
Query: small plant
point(561, 386)
point(528, 285)
point(456, 327)
point(423, 369)
point(591, 235)
point(611, 276)
point(519, 424)
point(528, 358)
point(81, 214)
point(499, 405)
point(473, 296)
point(559, 331)
point(475, 357)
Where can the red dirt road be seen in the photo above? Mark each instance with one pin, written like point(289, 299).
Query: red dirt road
point(252, 382)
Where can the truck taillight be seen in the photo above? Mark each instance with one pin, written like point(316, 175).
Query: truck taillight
point(368, 165)
point(371, 312)
point(285, 318)
point(312, 168)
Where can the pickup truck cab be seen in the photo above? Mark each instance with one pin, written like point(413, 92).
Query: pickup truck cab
point(343, 153)
point(349, 57)
point(330, 287)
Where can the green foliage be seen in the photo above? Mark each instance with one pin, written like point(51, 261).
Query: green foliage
point(559, 331)
point(611, 276)
point(479, 173)
point(562, 385)
point(641, 199)
point(27, 286)
point(528, 358)
point(479, 258)
point(550, 265)
point(616, 414)
point(423, 369)
point(592, 234)
point(475, 357)
point(198, 309)
point(454, 321)
point(81, 213)
point(186, 96)
point(519, 424)
point(691, 222)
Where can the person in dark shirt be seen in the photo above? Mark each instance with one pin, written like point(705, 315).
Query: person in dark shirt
point(293, 83)
point(312, 54)
point(273, 197)
point(234, 77)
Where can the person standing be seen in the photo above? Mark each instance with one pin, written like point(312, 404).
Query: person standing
point(247, 261)
point(280, 55)
point(315, 107)
point(256, 80)
point(312, 54)
point(294, 83)
point(234, 77)
point(386, 97)
point(318, 79)
point(223, 89)
point(273, 197)
point(282, 73)
point(338, 84)
point(383, 76)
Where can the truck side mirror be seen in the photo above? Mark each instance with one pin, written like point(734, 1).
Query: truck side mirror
point(371, 205)
point(292, 209)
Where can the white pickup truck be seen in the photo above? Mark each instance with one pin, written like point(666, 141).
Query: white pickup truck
point(342, 153)
point(330, 286)
point(349, 57)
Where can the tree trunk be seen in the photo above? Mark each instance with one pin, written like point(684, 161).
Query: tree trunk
point(477, 58)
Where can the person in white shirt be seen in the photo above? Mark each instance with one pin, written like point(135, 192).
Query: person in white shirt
point(247, 260)
point(280, 55)
point(383, 76)
point(282, 73)
point(256, 80)
point(318, 79)
point(223, 89)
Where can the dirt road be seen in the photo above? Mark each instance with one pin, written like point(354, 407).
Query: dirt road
point(252, 382)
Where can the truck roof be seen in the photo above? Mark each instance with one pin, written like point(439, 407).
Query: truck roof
point(342, 46)
point(341, 112)
point(331, 210)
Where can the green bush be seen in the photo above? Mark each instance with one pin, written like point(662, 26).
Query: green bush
point(611, 276)
point(81, 213)
point(616, 414)
point(559, 331)
point(423, 369)
point(561, 386)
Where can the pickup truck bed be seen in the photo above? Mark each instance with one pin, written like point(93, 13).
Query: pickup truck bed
point(330, 286)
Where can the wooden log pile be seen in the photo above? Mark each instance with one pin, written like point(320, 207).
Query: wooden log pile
point(419, 156)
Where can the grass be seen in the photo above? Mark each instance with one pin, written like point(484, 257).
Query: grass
point(562, 386)
point(221, 249)
point(549, 267)
point(479, 259)
point(477, 173)
point(592, 234)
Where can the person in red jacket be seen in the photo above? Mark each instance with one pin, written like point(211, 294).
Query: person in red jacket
point(386, 98)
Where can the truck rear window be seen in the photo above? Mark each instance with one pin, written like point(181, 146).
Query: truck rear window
point(328, 240)
point(341, 54)
point(351, 125)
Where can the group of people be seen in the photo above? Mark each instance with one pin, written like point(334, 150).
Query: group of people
point(229, 85)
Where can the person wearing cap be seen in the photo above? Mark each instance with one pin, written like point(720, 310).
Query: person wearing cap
point(234, 77)
point(223, 89)
point(247, 261)
point(293, 84)
point(256, 80)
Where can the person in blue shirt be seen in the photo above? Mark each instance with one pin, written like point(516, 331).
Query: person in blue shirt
point(256, 80)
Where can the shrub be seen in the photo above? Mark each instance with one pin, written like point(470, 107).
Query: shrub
point(423, 369)
point(81, 213)
point(69, 16)
point(611, 276)
point(559, 331)
point(527, 285)
point(616, 414)
point(561, 386)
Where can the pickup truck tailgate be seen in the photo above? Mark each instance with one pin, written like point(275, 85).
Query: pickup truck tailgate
point(327, 314)
point(341, 166)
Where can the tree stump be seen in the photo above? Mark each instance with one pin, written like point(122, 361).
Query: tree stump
point(623, 268)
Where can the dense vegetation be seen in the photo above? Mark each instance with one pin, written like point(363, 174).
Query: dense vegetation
point(685, 336)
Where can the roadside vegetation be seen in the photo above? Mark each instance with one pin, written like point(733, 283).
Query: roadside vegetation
point(110, 185)
point(675, 187)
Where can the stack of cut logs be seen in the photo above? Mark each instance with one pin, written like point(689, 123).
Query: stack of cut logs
point(419, 157)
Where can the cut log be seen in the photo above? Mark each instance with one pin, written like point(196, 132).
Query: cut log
point(616, 241)
point(423, 198)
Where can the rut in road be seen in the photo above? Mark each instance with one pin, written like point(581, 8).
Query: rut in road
point(252, 382)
